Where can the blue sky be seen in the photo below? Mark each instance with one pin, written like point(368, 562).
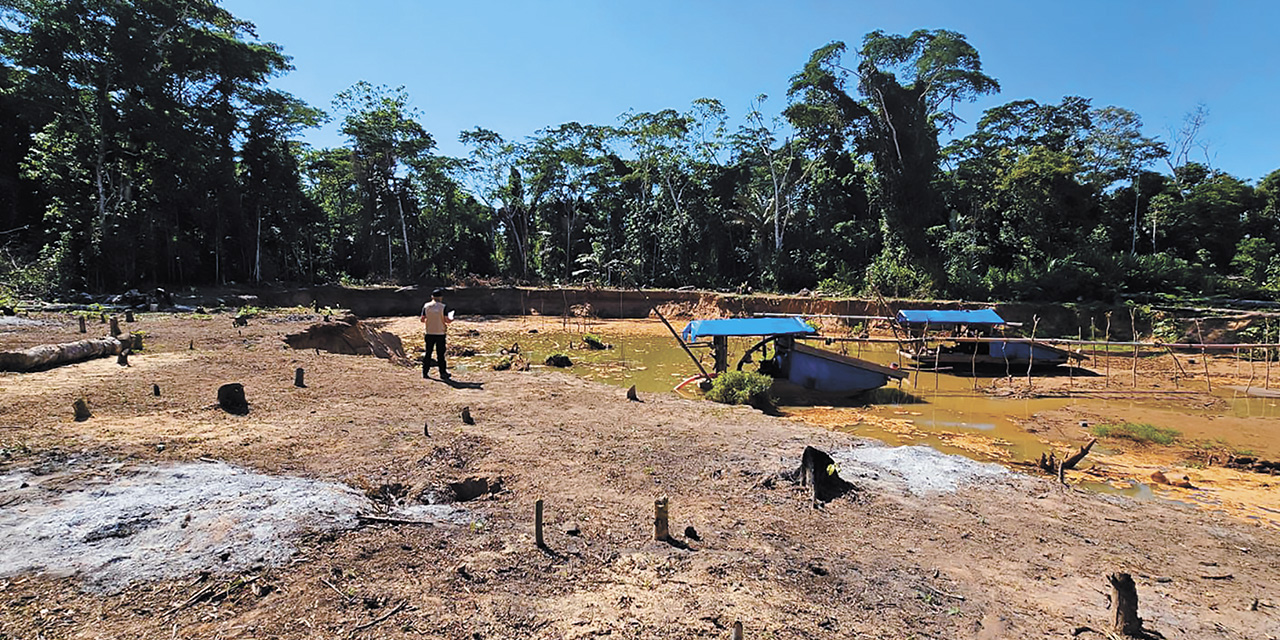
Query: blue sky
point(516, 67)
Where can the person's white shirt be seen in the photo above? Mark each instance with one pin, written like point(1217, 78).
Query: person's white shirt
point(434, 317)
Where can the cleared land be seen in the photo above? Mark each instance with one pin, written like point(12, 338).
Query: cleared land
point(925, 546)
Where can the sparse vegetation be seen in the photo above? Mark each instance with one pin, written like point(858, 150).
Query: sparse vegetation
point(1137, 432)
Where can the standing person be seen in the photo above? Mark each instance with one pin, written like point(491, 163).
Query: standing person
point(433, 316)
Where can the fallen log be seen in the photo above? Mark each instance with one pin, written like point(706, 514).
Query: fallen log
point(48, 356)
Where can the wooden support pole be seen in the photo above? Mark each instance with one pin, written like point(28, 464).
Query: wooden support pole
point(661, 528)
point(1124, 595)
point(1106, 337)
point(1031, 348)
point(537, 524)
point(1133, 327)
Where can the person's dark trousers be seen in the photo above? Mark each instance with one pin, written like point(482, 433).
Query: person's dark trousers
point(438, 343)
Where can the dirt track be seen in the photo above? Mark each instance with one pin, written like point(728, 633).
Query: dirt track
point(1005, 557)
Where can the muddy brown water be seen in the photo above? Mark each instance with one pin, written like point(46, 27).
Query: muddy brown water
point(942, 410)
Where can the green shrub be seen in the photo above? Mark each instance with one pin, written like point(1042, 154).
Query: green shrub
point(1137, 432)
point(738, 387)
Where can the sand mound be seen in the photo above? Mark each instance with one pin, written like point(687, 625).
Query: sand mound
point(348, 335)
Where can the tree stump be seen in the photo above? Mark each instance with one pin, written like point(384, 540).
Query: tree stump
point(661, 527)
point(736, 633)
point(297, 378)
point(155, 390)
point(135, 341)
point(1124, 594)
point(83, 328)
point(81, 408)
point(123, 358)
point(466, 416)
point(631, 394)
point(115, 326)
point(231, 398)
point(819, 470)
point(537, 525)
point(128, 315)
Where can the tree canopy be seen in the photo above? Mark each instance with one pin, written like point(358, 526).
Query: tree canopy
point(141, 144)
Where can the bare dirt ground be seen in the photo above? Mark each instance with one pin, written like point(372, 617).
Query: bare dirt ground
point(992, 555)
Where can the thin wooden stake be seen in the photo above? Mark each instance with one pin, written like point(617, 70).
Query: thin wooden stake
point(1204, 356)
point(1181, 373)
point(1266, 333)
point(537, 524)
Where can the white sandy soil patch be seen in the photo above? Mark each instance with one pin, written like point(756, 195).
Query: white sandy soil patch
point(917, 469)
point(167, 522)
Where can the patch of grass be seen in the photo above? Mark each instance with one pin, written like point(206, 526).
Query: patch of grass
point(1137, 432)
point(738, 387)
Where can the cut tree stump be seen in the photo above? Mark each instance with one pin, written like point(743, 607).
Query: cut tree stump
point(297, 378)
point(632, 395)
point(83, 328)
point(123, 358)
point(231, 398)
point(128, 315)
point(81, 408)
point(48, 356)
point(1124, 594)
point(819, 470)
point(661, 526)
point(115, 326)
point(155, 390)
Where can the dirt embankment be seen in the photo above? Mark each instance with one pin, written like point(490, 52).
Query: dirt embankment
point(994, 555)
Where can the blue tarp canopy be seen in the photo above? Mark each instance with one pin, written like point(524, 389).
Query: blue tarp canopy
point(745, 327)
point(950, 317)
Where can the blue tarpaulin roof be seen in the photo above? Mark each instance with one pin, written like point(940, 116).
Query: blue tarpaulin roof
point(946, 317)
point(745, 327)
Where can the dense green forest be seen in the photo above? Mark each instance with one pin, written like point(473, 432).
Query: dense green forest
point(141, 145)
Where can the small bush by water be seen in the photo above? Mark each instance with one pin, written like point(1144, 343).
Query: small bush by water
point(1138, 432)
point(738, 387)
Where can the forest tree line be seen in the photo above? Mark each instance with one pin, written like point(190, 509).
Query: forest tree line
point(141, 145)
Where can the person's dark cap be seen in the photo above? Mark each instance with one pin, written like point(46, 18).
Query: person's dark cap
point(438, 293)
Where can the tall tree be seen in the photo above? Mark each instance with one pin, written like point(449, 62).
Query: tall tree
point(1118, 150)
point(387, 141)
point(907, 88)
